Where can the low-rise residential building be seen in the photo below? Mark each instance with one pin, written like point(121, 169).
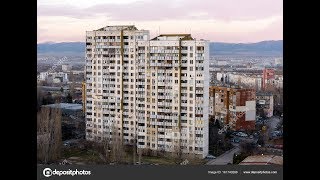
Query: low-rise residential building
point(233, 106)
point(264, 104)
point(248, 80)
point(66, 67)
point(55, 77)
point(268, 75)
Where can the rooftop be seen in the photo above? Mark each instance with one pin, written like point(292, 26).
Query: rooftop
point(67, 106)
point(263, 160)
point(118, 28)
point(264, 94)
point(173, 37)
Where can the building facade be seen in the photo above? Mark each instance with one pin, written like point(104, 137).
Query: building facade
point(268, 75)
point(264, 102)
point(66, 67)
point(153, 91)
point(248, 80)
point(233, 106)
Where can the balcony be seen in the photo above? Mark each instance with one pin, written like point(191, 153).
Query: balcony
point(164, 110)
point(184, 98)
point(140, 95)
point(140, 83)
point(160, 123)
point(139, 89)
point(199, 65)
point(160, 136)
point(141, 70)
point(168, 123)
point(141, 108)
point(141, 120)
point(199, 85)
point(199, 112)
point(141, 76)
point(88, 116)
point(199, 58)
point(184, 118)
point(161, 142)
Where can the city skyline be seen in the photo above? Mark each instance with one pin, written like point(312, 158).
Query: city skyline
point(223, 21)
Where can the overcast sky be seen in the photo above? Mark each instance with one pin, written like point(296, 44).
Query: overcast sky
point(215, 20)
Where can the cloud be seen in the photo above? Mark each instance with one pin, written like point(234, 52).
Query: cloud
point(216, 20)
point(168, 9)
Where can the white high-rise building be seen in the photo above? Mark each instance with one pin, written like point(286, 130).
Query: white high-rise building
point(155, 91)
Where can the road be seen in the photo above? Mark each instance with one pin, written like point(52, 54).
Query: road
point(224, 158)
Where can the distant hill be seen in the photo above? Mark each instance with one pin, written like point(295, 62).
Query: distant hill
point(63, 48)
point(216, 48)
point(259, 48)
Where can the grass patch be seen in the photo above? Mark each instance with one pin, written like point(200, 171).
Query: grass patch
point(158, 160)
point(86, 156)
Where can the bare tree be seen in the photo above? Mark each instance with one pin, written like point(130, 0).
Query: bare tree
point(134, 149)
point(72, 84)
point(139, 155)
point(117, 148)
point(49, 134)
point(106, 149)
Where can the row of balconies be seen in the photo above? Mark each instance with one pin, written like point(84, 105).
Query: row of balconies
point(164, 110)
point(140, 89)
point(164, 104)
point(141, 70)
point(163, 51)
point(140, 83)
point(107, 40)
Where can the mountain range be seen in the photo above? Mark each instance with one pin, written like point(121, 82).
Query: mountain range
point(263, 48)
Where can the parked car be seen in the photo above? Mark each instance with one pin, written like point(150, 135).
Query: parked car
point(256, 134)
point(210, 157)
point(235, 140)
point(241, 134)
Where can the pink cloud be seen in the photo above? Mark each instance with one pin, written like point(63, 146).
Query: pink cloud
point(167, 9)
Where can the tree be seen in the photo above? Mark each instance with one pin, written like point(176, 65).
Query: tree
point(247, 148)
point(117, 148)
point(39, 98)
point(49, 134)
point(69, 98)
point(261, 140)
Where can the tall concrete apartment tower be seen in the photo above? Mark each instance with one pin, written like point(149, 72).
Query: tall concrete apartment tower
point(154, 91)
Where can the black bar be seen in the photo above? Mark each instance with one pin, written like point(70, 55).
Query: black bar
point(223, 172)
